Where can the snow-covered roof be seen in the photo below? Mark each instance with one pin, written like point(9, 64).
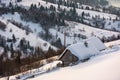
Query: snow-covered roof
point(81, 51)
point(94, 45)
point(96, 42)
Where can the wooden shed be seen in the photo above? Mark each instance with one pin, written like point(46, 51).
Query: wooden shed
point(81, 51)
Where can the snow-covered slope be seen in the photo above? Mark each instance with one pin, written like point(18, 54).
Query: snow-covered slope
point(102, 67)
point(112, 25)
point(92, 14)
point(20, 33)
point(27, 3)
point(74, 29)
point(36, 28)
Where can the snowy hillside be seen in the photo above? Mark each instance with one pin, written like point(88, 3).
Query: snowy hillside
point(34, 33)
point(92, 18)
point(74, 31)
point(36, 28)
point(20, 34)
point(102, 20)
point(113, 25)
point(27, 3)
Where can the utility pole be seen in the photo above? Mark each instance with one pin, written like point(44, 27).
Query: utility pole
point(64, 39)
point(8, 78)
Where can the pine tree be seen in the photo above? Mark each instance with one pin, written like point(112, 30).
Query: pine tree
point(10, 5)
point(12, 10)
point(19, 0)
point(86, 44)
point(18, 60)
point(41, 8)
point(39, 4)
point(31, 7)
point(58, 6)
point(11, 48)
point(14, 39)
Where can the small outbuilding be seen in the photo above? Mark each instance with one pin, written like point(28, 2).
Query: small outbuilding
point(81, 51)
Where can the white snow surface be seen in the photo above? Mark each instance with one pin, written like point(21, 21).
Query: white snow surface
point(102, 67)
point(112, 43)
point(99, 45)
